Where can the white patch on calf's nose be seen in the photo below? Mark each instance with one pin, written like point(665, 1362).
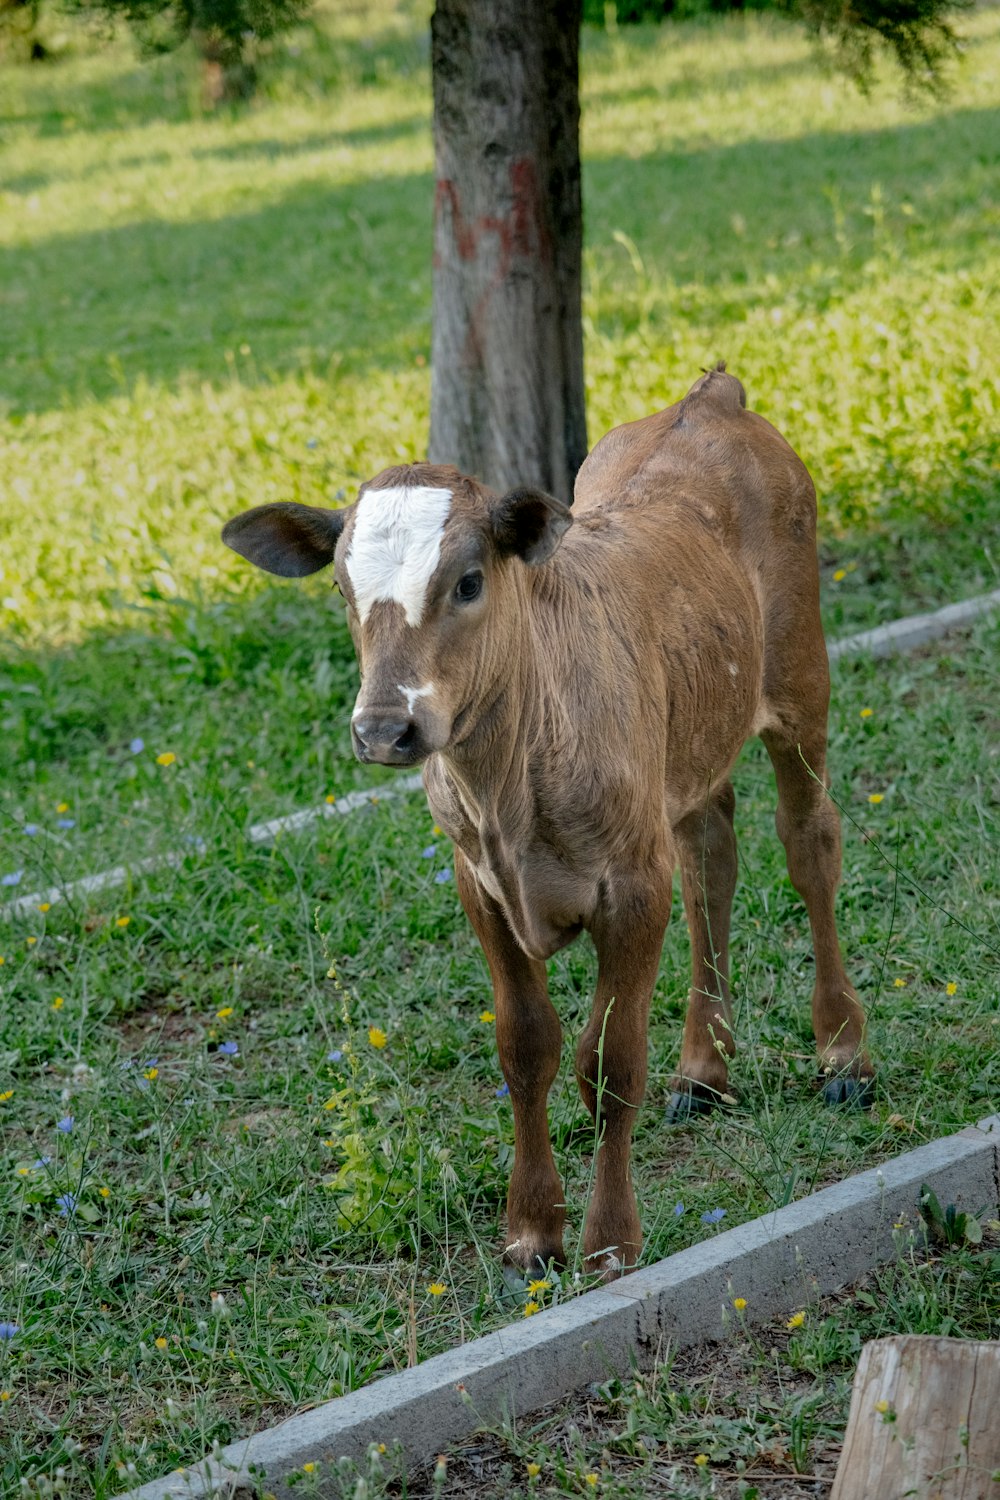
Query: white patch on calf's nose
point(412, 694)
point(396, 546)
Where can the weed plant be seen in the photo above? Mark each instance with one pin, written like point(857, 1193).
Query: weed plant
point(253, 1139)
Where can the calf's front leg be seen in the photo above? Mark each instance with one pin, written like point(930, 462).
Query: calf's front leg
point(528, 1040)
point(611, 1065)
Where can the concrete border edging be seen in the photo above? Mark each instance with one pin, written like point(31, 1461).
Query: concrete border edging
point(899, 635)
point(779, 1262)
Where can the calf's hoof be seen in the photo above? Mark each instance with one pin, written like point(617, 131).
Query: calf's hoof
point(844, 1089)
point(692, 1099)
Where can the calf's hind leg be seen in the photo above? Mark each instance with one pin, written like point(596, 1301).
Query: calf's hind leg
point(706, 845)
point(528, 1040)
point(809, 827)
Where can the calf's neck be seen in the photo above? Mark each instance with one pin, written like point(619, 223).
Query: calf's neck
point(577, 695)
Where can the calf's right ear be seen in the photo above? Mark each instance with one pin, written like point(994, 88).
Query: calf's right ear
point(286, 538)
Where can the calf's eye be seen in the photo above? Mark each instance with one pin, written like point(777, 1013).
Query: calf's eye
point(469, 587)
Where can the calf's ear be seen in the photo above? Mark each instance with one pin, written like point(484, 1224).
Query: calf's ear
point(286, 538)
point(531, 524)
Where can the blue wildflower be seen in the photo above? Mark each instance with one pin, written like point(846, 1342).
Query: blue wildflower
point(312, 442)
point(7, 1331)
point(503, 1091)
point(713, 1216)
point(42, 1162)
point(429, 852)
point(65, 822)
point(335, 1055)
point(66, 1203)
point(678, 1210)
point(229, 1049)
point(30, 829)
point(137, 746)
point(14, 878)
point(442, 877)
point(65, 1124)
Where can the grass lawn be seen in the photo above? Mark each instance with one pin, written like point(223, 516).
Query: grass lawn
point(222, 1196)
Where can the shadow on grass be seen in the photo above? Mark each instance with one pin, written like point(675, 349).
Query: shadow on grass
point(343, 272)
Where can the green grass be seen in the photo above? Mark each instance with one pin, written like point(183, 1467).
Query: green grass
point(200, 313)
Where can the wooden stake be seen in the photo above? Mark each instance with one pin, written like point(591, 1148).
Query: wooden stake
point(924, 1422)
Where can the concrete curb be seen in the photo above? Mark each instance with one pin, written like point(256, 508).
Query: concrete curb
point(778, 1263)
point(900, 635)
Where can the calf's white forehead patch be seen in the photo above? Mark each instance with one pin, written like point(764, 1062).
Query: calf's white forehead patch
point(396, 546)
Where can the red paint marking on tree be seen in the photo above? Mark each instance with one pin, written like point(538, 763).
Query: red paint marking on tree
point(521, 232)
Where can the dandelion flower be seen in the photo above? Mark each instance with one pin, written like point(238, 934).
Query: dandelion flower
point(152, 1074)
point(330, 798)
point(166, 759)
point(7, 1094)
point(122, 921)
point(45, 906)
point(161, 1342)
point(31, 941)
point(531, 1307)
point(4, 1395)
point(377, 1037)
point(899, 984)
point(796, 1320)
point(533, 1470)
point(224, 1013)
point(740, 1304)
point(105, 1192)
point(437, 1288)
point(875, 798)
point(951, 987)
point(840, 575)
point(309, 1468)
point(882, 1406)
point(866, 713)
point(486, 1016)
point(62, 807)
point(701, 1459)
point(58, 1003)
point(534, 1287)
point(591, 1480)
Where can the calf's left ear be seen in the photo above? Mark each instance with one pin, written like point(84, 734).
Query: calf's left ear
point(286, 538)
point(531, 524)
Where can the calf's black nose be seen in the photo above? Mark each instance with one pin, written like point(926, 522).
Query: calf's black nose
point(387, 739)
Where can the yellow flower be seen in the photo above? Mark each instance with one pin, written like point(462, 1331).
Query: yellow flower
point(899, 984)
point(8, 1094)
point(62, 807)
point(437, 1288)
point(330, 797)
point(308, 1468)
point(24, 1171)
point(701, 1459)
point(330, 1142)
point(486, 1016)
point(534, 1287)
point(32, 941)
point(122, 921)
point(166, 759)
point(4, 1395)
point(882, 1406)
point(591, 1480)
point(796, 1320)
point(2, 959)
point(530, 1308)
point(866, 713)
point(105, 1192)
point(840, 575)
point(224, 1013)
point(58, 1003)
point(377, 1037)
point(330, 1104)
point(875, 798)
point(534, 1470)
point(436, 830)
point(951, 987)
point(739, 1303)
point(45, 906)
point(161, 1342)
point(152, 1074)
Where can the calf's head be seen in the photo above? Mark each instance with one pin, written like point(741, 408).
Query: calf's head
point(426, 560)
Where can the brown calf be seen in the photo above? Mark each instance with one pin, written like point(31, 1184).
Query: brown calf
point(577, 713)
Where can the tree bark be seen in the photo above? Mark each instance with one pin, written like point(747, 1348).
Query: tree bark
point(507, 397)
point(924, 1422)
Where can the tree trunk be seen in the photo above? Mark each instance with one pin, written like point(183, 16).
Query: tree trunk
point(507, 398)
point(924, 1422)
